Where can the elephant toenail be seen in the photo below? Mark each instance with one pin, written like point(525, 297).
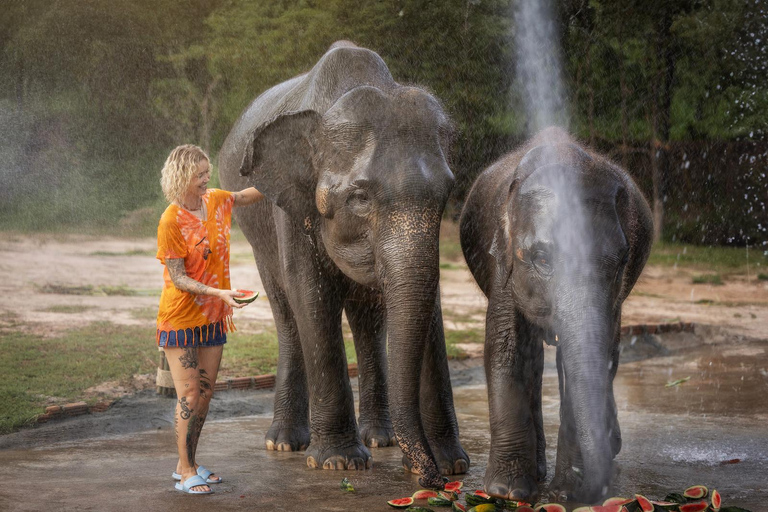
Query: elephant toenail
point(373, 443)
point(311, 462)
point(270, 444)
point(284, 447)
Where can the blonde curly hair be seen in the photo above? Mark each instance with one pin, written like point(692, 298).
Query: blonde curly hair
point(180, 169)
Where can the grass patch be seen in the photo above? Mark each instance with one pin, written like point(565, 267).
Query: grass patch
point(135, 252)
point(718, 259)
point(71, 309)
point(450, 246)
point(63, 367)
point(246, 355)
point(713, 279)
point(447, 265)
point(144, 313)
point(762, 277)
point(121, 290)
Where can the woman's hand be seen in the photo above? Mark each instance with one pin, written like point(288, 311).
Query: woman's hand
point(227, 296)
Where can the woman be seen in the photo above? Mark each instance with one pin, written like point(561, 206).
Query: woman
point(196, 304)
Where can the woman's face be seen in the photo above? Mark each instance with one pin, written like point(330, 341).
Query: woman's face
point(199, 184)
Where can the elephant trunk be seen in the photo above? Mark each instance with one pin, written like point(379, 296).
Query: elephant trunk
point(585, 334)
point(408, 265)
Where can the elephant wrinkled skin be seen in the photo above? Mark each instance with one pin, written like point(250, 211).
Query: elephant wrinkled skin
point(556, 236)
point(354, 166)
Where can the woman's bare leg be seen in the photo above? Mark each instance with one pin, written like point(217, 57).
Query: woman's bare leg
point(209, 359)
point(184, 364)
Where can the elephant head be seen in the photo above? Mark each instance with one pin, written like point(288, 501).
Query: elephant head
point(574, 236)
point(368, 178)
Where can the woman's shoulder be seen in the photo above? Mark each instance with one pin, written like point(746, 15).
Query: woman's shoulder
point(169, 216)
point(217, 196)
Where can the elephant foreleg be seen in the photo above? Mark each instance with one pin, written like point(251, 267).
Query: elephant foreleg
point(290, 424)
point(367, 319)
point(513, 461)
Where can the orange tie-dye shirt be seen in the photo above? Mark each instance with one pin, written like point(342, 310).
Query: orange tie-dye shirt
point(204, 245)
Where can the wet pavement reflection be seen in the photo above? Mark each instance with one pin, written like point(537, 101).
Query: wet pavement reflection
point(709, 430)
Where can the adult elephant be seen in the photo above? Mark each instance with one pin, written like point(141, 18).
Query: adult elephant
point(355, 167)
point(556, 236)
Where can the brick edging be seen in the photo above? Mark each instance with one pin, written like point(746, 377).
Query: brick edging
point(267, 381)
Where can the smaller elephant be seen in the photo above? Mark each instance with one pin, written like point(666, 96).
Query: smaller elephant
point(556, 236)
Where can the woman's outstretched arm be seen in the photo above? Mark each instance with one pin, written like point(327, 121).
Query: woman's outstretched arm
point(247, 196)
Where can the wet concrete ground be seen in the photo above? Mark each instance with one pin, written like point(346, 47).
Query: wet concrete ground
point(710, 430)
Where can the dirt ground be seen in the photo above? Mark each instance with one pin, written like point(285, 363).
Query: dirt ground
point(40, 275)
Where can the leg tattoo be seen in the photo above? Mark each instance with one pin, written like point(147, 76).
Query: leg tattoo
point(185, 410)
point(189, 358)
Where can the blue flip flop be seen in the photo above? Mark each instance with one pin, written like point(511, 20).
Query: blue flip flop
point(203, 472)
point(189, 483)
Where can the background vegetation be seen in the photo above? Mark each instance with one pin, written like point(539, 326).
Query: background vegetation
point(94, 93)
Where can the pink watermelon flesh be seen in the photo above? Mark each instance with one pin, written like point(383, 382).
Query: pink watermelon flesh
point(617, 501)
point(453, 486)
point(424, 494)
point(401, 503)
point(247, 298)
point(695, 492)
point(644, 503)
point(716, 500)
point(701, 506)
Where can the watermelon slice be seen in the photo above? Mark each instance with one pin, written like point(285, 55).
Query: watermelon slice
point(717, 501)
point(617, 501)
point(424, 494)
point(550, 507)
point(700, 506)
point(696, 492)
point(247, 298)
point(454, 486)
point(401, 503)
point(644, 503)
point(458, 507)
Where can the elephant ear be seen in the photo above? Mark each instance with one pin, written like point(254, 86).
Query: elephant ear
point(501, 246)
point(278, 161)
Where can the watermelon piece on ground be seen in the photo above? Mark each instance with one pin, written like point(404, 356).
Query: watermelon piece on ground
point(696, 492)
point(401, 502)
point(699, 506)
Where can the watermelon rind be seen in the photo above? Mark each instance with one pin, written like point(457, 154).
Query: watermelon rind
point(716, 501)
point(644, 503)
point(524, 508)
point(669, 505)
point(420, 509)
point(696, 492)
point(449, 495)
point(483, 507)
point(249, 297)
point(476, 499)
point(439, 501)
point(550, 507)
point(424, 494)
point(458, 507)
point(401, 502)
point(699, 506)
point(617, 501)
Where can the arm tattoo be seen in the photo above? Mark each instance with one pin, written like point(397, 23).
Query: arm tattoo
point(182, 281)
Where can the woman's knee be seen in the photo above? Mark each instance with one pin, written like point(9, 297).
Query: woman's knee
point(191, 399)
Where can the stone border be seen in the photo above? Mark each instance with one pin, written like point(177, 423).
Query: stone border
point(268, 381)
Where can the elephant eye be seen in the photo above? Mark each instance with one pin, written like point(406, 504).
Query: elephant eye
point(543, 262)
point(359, 202)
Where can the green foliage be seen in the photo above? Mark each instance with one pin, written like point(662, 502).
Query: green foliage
point(94, 93)
point(58, 369)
